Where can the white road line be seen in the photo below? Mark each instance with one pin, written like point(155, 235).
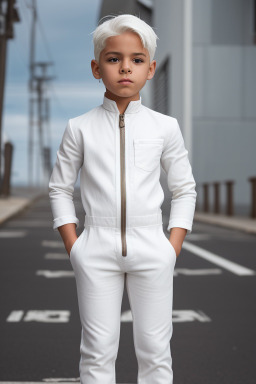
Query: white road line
point(49, 381)
point(56, 256)
point(29, 223)
point(52, 243)
point(197, 272)
point(235, 268)
point(54, 274)
point(11, 234)
point(198, 236)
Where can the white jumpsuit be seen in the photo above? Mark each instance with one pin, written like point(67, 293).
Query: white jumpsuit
point(119, 156)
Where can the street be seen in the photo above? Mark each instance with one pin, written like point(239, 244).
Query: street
point(213, 315)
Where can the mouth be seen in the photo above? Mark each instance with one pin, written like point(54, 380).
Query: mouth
point(125, 81)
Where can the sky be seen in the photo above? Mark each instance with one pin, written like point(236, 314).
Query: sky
point(63, 35)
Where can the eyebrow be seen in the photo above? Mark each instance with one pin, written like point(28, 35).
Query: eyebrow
point(119, 53)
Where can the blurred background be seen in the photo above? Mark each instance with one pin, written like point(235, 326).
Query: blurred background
point(205, 77)
point(206, 60)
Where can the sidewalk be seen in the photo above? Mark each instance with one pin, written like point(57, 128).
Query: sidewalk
point(240, 223)
point(21, 198)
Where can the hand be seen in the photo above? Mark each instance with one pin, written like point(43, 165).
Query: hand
point(176, 239)
point(69, 245)
point(177, 249)
point(68, 234)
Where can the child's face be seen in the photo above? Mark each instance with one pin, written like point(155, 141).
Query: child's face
point(124, 57)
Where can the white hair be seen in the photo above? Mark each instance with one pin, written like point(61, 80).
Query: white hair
point(119, 24)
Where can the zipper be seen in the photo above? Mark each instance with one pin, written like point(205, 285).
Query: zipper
point(123, 186)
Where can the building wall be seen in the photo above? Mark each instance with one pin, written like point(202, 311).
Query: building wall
point(224, 94)
point(223, 84)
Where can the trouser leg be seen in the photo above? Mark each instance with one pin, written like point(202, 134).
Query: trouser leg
point(150, 290)
point(100, 284)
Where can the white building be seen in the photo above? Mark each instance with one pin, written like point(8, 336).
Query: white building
point(206, 78)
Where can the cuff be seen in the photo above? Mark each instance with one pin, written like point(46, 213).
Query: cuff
point(65, 220)
point(180, 223)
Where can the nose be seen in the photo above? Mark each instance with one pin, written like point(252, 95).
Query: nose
point(125, 69)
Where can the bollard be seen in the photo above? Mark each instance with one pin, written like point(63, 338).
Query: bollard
point(216, 207)
point(229, 198)
point(206, 198)
point(253, 200)
point(8, 150)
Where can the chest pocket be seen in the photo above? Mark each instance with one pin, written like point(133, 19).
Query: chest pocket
point(147, 153)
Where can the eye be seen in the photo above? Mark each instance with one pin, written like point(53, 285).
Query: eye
point(140, 61)
point(113, 58)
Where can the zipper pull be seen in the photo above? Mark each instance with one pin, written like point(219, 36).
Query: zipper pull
point(121, 120)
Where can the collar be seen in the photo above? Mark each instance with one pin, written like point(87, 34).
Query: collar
point(133, 106)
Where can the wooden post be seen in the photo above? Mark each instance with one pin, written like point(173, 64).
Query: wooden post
point(216, 207)
point(229, 198)
point(253, 196)
point(8, 150)
point(206, 197)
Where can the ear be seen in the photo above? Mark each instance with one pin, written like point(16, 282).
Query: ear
point(152, 69)
point(95, 69)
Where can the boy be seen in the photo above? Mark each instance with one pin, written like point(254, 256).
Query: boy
point(119, 147)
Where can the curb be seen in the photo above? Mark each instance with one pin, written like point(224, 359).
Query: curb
point(235, 222)
point(12, 206)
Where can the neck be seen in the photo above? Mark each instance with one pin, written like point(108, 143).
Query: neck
point(121, 102)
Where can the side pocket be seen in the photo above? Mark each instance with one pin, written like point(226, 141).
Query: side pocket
point(74, 246)
point(171, 247)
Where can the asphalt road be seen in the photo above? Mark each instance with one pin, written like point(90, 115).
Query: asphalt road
point(214, 313)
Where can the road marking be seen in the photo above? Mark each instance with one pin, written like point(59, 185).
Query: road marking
point(62, 380)
point(235, 268)
point(29, 223)
point(51, 316)
point(56, 256)
point(52, 244)
point(196, 272)
point(178, 271)
point(15, 316)
point(54, 274)
point(198, 236)
point(48, 316)
point(11, 234)
point(184, 316)
point(178, 316)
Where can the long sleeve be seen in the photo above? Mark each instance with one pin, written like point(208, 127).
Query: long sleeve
point(180, 180)
point(63, 178)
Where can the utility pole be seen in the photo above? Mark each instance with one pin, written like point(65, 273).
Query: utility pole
point(38, 111)
point(43, 120)
point(31, 99)
point(8, 16)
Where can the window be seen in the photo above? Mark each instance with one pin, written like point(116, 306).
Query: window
point(161, 88)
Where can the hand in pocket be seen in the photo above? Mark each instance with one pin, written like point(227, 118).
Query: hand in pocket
point(70, 246)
